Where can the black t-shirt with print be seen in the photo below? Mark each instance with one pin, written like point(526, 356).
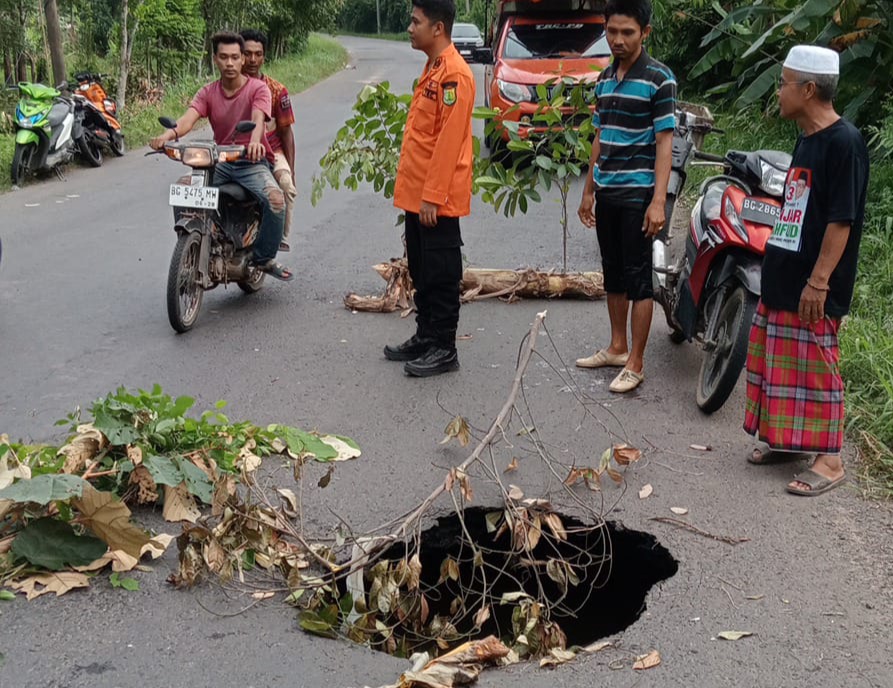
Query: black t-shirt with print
point(827, 183)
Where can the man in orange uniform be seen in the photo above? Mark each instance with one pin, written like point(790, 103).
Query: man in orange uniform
point(434, 189)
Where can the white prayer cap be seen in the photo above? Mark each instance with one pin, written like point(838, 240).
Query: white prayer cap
point(811, 59)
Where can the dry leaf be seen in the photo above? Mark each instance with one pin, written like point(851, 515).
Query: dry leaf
point(646, 491)
point(179, 505)
point(290, 498)
point(553, 520)
point(754, 598)
point(135, 454)
point(515, 493)
point(481, 617)
point(263, 595)
point(459, 667)
point(157, 545)
point(734, 635)
point(624, 455)
point(41, 584)
point(700, 447)
point(599, 646)
point(573, 477)
point(8, 475)
point(649, 661)
point(458, 428)
point(557, 656)
point(147, 489)
point(345, 451)
point(327, 478)
point(614, 475)
point(82, 449)
point(465, 486)
point(679, 510)
point(109, 519)
point(513, 466)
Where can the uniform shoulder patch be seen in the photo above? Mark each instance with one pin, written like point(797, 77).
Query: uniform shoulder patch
point(449, 92)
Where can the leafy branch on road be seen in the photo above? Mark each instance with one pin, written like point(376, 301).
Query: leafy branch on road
point(64, 509)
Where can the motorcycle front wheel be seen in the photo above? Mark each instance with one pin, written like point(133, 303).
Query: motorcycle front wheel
point(21, 162)
point(117, 144)
point(184, 293)
point(91, 151)
point(723, 364)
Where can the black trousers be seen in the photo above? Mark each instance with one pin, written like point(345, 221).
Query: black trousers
point(435, 266)
point(626, 251)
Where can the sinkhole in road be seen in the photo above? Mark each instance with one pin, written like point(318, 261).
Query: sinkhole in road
point(592, 579)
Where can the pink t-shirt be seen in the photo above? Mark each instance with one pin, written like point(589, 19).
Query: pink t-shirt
point(225, 112)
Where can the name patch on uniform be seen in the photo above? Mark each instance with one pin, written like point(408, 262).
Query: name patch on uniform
point(449, 93)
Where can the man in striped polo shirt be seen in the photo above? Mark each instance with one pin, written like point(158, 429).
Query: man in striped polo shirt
point(625, 196)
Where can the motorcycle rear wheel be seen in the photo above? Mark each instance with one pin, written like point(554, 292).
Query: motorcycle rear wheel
point(184, 293)
point(91, 151)
point(21, 162)
point(722, 366)
point(254, 282)
point(117, 144)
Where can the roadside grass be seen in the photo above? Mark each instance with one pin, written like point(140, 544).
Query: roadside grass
point(322, 57)
point(402, 36)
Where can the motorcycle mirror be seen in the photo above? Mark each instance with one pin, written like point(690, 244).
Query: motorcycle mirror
point(167, 122)
point(245, 126)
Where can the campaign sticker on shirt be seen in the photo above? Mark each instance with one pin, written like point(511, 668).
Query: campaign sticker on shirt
point(788, 231)
point(449, 93)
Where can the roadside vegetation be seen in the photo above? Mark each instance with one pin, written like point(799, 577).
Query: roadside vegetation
point(153, 54)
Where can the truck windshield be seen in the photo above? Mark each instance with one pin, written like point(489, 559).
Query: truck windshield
point(555, 40)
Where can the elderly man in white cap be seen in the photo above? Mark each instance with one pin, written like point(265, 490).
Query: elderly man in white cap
point(794, 388)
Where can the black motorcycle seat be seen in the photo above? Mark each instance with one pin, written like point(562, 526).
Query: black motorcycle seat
point(58, 113)
point(235, 192)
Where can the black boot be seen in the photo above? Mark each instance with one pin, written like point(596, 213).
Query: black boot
point(438, 359)
point(411, 349)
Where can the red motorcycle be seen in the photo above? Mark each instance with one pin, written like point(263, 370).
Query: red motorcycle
point(712, 291)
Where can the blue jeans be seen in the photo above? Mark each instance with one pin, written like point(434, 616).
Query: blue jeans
point(258, 180)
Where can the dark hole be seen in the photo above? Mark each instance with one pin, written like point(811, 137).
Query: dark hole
point(616, 568)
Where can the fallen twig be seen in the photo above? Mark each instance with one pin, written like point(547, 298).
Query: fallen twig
point(729, 540)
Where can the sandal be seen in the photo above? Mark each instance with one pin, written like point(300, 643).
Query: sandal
point(284, 246)
point(769, 456)
point(626, 381)
point(277, 270)
point(601, 359)
point(818, 484)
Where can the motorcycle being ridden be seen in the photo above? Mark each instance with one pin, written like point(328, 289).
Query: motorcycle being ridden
point(101, 126)
point(711, 291)
point(48, 130)
point(228, 104)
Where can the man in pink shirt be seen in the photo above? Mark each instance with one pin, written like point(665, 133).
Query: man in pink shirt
point(226, 102)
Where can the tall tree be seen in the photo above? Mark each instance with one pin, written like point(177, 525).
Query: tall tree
point(128, 26)
point(54, 39)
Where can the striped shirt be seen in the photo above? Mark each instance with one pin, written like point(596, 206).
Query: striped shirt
point(629, 112)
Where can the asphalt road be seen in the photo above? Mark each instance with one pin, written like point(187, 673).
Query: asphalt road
point(82, 312)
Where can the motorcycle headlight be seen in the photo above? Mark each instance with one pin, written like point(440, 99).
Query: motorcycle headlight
point(735, 219)
point(514, 93)
point(772, 179)
point(197, 157)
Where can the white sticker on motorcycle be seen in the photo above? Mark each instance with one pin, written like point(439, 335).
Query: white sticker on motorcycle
point(788, 231)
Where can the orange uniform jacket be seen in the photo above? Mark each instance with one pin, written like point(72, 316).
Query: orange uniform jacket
point(436, 159)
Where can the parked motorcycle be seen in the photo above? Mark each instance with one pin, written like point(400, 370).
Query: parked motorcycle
point(48, 130)
point(216, 228)
point(101, 126)
point(711, 291)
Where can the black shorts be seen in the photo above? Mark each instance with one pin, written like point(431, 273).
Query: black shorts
point(626, 251)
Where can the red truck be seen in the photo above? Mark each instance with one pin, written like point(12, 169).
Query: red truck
point(531, 42)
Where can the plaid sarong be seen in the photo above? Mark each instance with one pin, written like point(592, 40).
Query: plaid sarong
point(794, 388)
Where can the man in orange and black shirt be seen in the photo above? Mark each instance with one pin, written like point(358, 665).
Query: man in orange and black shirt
point(279, 131)
point(434, 189)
